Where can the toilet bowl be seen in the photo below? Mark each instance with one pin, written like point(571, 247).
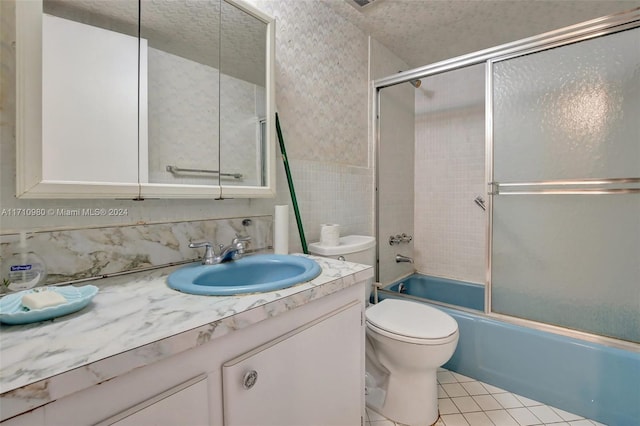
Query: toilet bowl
point(406, 343)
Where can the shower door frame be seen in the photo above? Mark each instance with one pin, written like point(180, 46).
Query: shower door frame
point(572, 34)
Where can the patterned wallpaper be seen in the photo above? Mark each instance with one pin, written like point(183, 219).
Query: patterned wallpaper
point(321, 82)
point(322, 95)
point(183, 118)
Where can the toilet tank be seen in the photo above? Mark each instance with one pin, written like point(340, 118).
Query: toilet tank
point(353, 248)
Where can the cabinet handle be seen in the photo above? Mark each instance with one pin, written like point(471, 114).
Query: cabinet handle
point(250, 378)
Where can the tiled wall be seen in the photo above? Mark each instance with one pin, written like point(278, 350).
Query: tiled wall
point(450, 229)
point(322, 97)
point(328, 193)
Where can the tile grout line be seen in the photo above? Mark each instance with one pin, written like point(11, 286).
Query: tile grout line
point(471, 407)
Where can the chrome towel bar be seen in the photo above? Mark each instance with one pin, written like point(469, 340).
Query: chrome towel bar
point(577, 187)
point(177, 170)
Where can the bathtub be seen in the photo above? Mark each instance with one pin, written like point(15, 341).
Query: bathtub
point(590, 379)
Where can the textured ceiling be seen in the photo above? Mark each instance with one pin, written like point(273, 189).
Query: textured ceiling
point(422, 32)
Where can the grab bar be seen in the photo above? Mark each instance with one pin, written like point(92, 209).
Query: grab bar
point(562, 187)
point(175, 170)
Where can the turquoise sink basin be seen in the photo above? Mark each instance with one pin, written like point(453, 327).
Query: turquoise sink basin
point(252, 274)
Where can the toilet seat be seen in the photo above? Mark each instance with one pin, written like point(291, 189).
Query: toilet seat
point(411, 322)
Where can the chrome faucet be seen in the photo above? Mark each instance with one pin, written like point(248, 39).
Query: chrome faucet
point(233, 251)
point(400, 258)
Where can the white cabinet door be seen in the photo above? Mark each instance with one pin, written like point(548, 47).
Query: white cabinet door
point(310, 376)
point(186, 404)
point(66, 149)
point(96, 140)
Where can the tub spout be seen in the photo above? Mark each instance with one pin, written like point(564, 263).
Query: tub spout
point(400, 258)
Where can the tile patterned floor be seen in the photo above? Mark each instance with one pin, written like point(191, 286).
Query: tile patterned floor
point(464, 401)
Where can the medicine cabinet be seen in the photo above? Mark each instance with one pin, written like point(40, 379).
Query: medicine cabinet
point(128, 99)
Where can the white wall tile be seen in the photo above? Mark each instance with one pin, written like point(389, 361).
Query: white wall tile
point(450, 235)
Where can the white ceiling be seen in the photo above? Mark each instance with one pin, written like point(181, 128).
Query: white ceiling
point(422, 32)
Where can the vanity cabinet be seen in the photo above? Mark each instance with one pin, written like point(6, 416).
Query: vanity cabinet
point(309, 365)
point(185, 404)
point(306, 376)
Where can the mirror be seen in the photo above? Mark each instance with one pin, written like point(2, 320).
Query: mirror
point(182, 91)
point(146, 99)
point(242, 96)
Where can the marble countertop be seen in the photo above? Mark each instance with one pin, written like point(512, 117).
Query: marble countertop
point(135, 320)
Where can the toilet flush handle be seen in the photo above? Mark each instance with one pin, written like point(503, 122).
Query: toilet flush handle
point(341, 258)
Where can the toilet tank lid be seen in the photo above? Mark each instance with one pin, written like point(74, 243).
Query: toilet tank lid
point(411, 319)
point(346, 245)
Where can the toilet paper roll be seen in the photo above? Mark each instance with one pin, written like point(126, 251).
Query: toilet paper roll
point(330, 234)
point(281, 230)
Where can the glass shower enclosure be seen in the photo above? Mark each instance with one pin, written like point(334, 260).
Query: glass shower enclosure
point(562, 173)
point(564, 184)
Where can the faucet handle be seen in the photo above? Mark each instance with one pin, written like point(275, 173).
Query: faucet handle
point(240, 243)
point(200, 244)
point(208, 251)
point(238, 239)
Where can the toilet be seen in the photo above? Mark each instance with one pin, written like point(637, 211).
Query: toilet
point(406, 343)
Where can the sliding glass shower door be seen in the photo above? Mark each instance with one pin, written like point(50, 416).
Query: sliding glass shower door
point(565, 180)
